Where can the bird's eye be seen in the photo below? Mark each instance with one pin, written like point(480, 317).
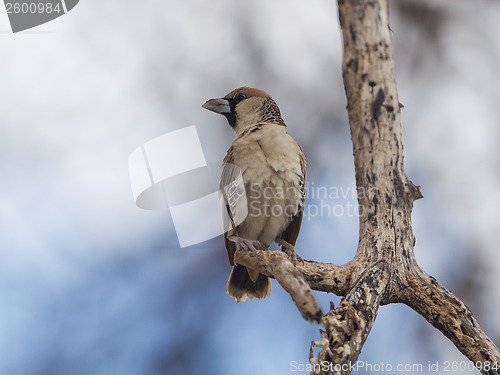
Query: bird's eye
point(240, 97)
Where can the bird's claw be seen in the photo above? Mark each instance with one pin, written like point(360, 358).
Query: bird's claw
point(289, 249)
point(245, 244)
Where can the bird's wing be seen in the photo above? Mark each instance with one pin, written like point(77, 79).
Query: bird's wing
point(292, 231)
point(229, 174)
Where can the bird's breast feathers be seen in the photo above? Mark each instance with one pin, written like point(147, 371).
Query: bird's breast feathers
point(266, 153)
point(272, 167)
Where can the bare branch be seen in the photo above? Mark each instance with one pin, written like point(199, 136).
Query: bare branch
point(386, 196)
point(278, 265)
point(325, 277)
point(452, 317)
point(348, 326)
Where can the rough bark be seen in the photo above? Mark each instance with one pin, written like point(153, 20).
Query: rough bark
point(384, 269)
point(279, 266)
point(451, 316)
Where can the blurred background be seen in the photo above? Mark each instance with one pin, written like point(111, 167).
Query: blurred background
point(91, 284)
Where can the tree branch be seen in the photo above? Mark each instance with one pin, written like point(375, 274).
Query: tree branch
point(347, 327)
point(325, 277)
point(452, 317)
point(278, 265)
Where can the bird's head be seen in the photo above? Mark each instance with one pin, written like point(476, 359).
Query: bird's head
point(246, 107)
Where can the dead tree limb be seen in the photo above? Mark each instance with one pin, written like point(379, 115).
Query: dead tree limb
point(385, 223)
point(347, 326)
point(452, 317)
point(279, 266)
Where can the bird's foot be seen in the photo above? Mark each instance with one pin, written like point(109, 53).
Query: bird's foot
point(289, 249)
point(245, 244)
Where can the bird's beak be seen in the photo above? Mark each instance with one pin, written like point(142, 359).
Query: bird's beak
point(218, 105)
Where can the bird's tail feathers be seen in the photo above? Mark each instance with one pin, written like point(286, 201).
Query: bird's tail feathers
point(240, 286)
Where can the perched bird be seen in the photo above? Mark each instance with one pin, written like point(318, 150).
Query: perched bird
point(273, 169)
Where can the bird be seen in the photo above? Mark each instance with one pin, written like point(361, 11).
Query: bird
point(273, 169)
